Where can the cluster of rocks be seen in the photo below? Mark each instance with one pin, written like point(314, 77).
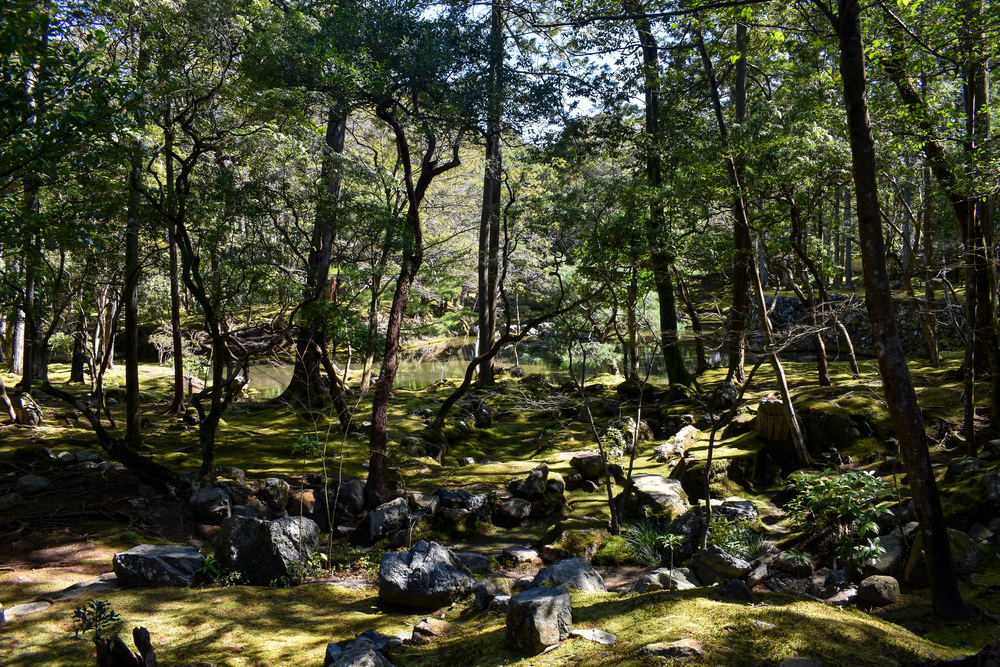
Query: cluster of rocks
point(42, 459)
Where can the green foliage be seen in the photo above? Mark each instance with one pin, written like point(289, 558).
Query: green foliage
point(650, 542)
point(99, 617)
point(212, 570)
point(737, 537)
point(849, 502)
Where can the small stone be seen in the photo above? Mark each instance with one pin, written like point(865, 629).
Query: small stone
point(762, 625)
point(843, 597)
point(83, 457)
point(26, 609)
point(10, 501)
point(684, 648)
point(594, 635)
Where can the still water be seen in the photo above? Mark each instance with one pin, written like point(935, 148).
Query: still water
point(430, 365)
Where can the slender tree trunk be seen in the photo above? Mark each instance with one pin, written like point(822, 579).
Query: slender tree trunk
point(848, 243)
point(701, 361)
point(742, 242)
point(78, 362)
point(660, 261)
point(798, 440)
point(130, 297)
point(376, 487)
point(896, 381)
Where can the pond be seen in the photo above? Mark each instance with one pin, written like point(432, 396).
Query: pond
point(432, 364)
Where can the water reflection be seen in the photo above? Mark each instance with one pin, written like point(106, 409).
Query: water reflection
point(449, 360)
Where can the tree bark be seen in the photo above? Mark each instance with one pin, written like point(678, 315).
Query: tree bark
point(307, 381)
point(896, 381)
point(376, 487)
point(742, 242)
point(660, 261)
point(489, 222)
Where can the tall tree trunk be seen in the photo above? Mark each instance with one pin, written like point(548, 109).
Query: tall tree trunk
point(660, 261)
point(130, 295)
point(742, 243)
point(896, 381)
point(489, 222)
point(78, 361)
point(307, 380)
point(798, 440)
point(177, 403)
point(376, 487)
point(848, 243)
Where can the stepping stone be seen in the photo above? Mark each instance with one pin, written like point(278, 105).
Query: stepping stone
point(26, 609)
point(594, 635)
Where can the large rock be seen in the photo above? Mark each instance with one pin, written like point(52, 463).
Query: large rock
point(265, 551)
point(590, 464)
point(534, 485)
point(27, 411)
point(888, 562)
point(428, 576)
point(385, 520)
point(575, 573)
point(655, 496)
point(211, 505)
point(360, 653)
point(274, 494)
point(539, 618)
point(345, 504)
point(964, 554)
point(157, 565)
point(878, 591)
point(678, 579)
point(677, 445)
point(512, 512)
point(29, 485)
point(713, 563)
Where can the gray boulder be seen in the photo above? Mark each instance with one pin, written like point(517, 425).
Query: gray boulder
point(265, 551)
point(590, 464)
point(677, 579)
point(890, 561)
point(274, 494)
point(359, 653)
point(386, 519)
point(539, 618)
point(575, 573)
point(512, 512)
point(157, 565)
point(713, 563)
point(736, 589)
point(677, 445)
point(211, 505)
point(30, 485)
point(428, 576)
point(878, 591)
point(743, 510)
point(534, 484)
point(656, 496)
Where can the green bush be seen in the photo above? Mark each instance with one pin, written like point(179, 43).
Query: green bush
point(846, 502)
point(737, 538)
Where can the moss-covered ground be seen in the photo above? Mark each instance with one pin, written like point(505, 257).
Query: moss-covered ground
point(70, 535)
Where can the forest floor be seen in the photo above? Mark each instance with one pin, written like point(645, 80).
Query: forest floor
point(69, 536)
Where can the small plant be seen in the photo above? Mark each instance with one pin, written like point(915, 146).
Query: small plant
point(212, 570)
point(737, 538)
point(651, 543)
point(799, 557)
point(99, 617)
point(849, 503)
